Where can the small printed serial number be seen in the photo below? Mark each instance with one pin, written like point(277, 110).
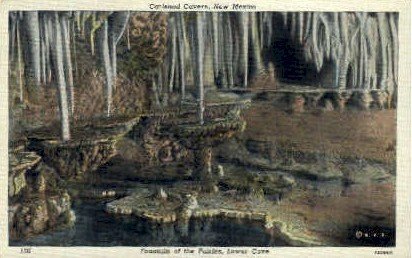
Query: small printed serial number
point(25, 250)
point(389, 252)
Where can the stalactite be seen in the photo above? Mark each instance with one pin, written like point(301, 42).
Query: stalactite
point(268, 20)
point(78, 19)
point(176, 79)
point(182, 46)
point(155, 91)
point(19, 60)
point(236, 56)
point(317, 53)
point(221, 74)
point(354, 53)
point(229, 51)
point(173, 56)
point(292, 28)
point(42, 51)
point(361, 17)
point(215, 29)
point(254, 41)
point(73, 37)
point(336, 45)
point(160, 79)
point(12, 37)
point(395, 46)
point(85, 16)
point(113, 57)
point(344, 58)
point(128, 37)
point(32, 47)
point(237, 43)
point(244, 56)
point(199, 48)
point(46, 35)
point(336, 49)
point(390, 85)
point(372, 34)
point(105, 57)
point(117, 25)
point(95, 25)
point(64, 22)
point(49, 29)
point(285, 18)
point(261, 29)
point(325, 35)
point(300, 27)
point(308, 25)
point(383, 67)
point(57, 52)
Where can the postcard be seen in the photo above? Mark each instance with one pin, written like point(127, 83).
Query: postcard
point(207, 128)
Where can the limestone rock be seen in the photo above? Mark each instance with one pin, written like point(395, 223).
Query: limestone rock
point(73, 159)
point(220, 171)
point(297, 104)
point(17, 182)
point(161, 194)
point(379, 99)
point(328, 105)
point(191, 202)
point(40, 183)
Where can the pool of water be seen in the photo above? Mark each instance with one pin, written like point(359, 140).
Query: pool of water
point(94, 227)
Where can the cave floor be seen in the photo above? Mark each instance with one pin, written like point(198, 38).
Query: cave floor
point(303, 217)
